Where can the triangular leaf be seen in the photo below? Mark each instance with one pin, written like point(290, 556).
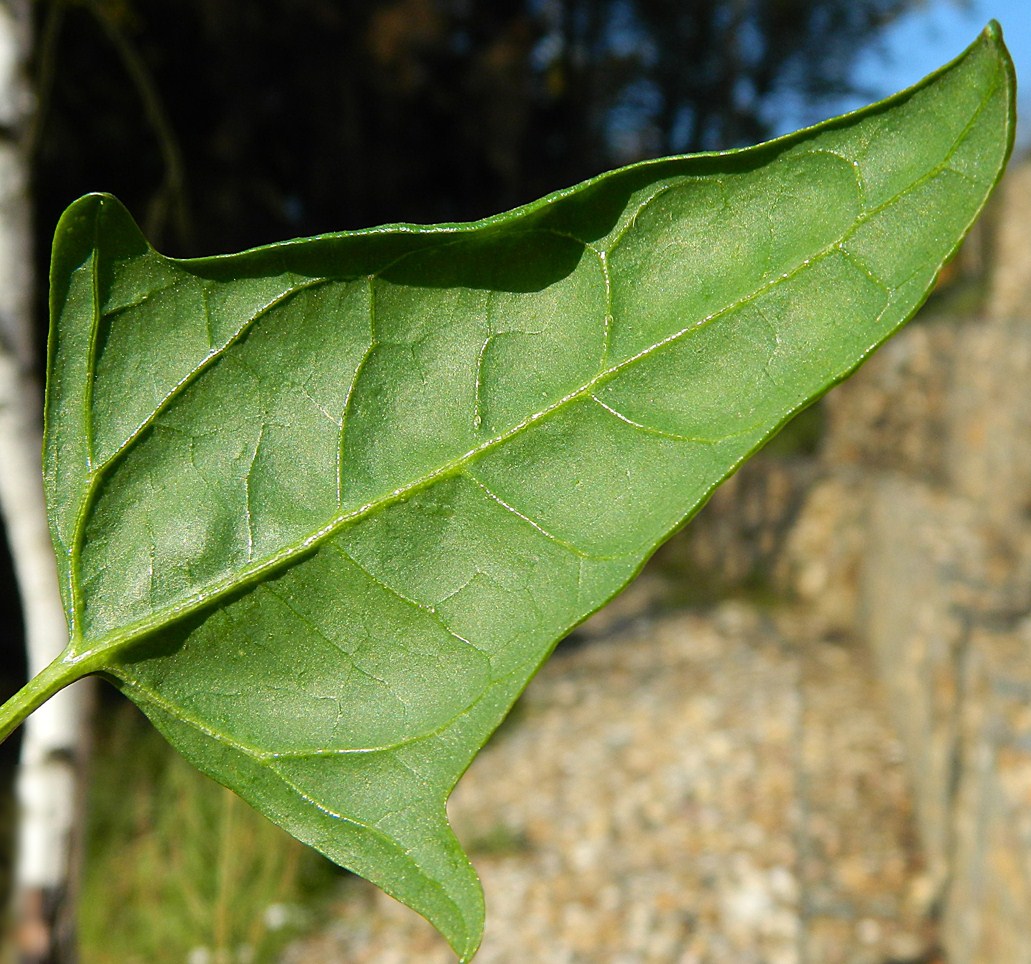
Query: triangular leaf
point(323, 508)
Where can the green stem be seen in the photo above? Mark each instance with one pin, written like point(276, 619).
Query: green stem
point(36, 692)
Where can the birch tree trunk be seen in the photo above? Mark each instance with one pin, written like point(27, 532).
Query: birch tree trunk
point(47, 768)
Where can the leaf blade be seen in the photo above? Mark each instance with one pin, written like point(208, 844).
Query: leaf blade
point(273, 475)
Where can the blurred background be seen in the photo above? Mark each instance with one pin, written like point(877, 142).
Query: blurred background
point(780, 716)
point(230, 124)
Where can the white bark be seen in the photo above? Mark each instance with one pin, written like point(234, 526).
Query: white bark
point(51, 734)
point(46, 780)
point(16, 109)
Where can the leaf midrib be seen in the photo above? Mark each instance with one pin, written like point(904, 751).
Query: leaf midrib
point(141, 629)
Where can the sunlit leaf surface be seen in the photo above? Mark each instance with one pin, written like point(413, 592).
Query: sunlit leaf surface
point(323, 508)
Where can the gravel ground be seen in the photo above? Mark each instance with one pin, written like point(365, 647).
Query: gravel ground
point(700, 787)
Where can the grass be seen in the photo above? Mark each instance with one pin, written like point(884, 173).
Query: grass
point(180, 869)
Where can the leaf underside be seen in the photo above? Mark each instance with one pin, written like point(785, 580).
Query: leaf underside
point(323, 508)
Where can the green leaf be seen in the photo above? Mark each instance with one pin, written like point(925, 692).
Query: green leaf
point(323, 508)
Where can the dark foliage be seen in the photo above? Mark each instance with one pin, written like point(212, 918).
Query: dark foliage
point(230, 123)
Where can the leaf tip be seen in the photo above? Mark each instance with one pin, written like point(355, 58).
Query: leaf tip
point(992, 37)
point(89, 207)
point(462, 923)
point(92, 214)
